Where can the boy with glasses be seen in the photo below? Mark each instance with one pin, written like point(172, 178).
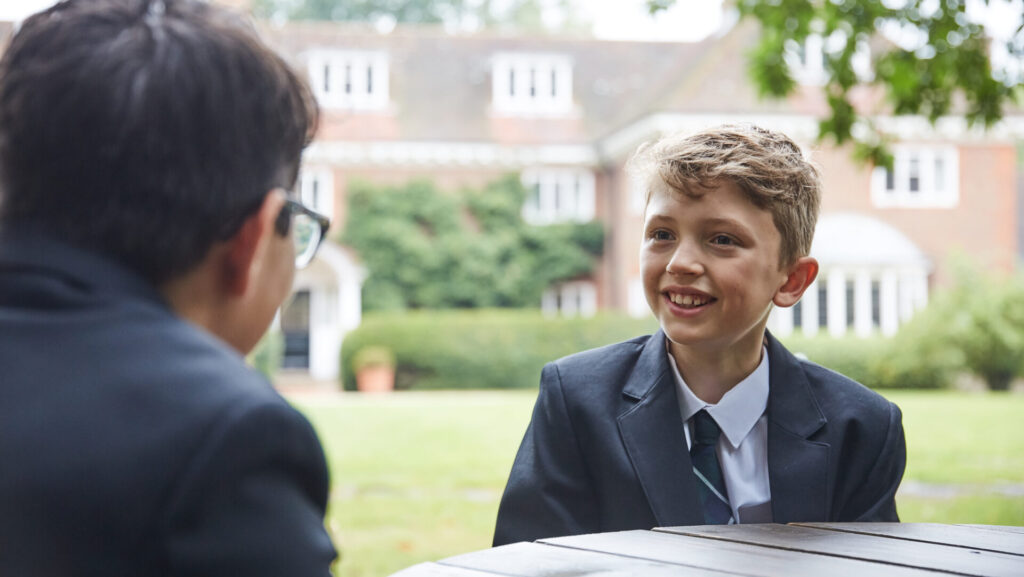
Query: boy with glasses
point(146, 242)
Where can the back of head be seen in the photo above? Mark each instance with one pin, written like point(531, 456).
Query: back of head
point(766, 165)
point(145, 130)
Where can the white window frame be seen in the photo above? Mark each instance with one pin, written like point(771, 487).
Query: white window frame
point(555, 195)
point(570, 299)
point(316, 189)
point(933, 170)
point(531, 84)
point(351, 79)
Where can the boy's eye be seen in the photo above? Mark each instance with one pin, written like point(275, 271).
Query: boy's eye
point(723, 240)
point(661, 235)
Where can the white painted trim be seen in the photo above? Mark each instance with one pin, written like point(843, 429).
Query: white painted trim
point(836, 295)
point(862, 305)
point(521, 84)
point(558, 195)
point(448, 154)
point(802, 128)
point(928, 194)
point(637, 299)
point(334, 282)
point(888, 311)
point(347, 84)
point(809, 309)
point(316, 188)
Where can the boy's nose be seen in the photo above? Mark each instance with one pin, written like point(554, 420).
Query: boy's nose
point(685, 261)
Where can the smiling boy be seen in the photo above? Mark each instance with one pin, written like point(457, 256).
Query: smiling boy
point(710, 420)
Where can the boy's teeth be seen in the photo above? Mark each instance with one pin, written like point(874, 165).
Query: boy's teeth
point(687, 300)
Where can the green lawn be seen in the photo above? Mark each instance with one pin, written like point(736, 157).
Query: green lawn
point(417, 476)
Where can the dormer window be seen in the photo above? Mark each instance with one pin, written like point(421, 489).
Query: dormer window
point(529, 84)
point(349, 78)
point(807, 60)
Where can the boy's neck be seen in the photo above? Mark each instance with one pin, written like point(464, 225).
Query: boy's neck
point(711, 373)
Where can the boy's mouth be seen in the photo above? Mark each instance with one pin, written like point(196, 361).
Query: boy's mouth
point(689, 300)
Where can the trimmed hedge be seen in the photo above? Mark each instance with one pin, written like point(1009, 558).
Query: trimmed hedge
point(506, 348)
point(482, 348)
point(901, 362)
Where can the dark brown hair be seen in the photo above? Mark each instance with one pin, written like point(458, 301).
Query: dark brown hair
point(145, 129)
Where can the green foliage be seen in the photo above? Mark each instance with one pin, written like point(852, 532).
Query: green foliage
point(906, 361)
point(267, 354)
point(976, 327)
point(373, 357)
point(482, 348)
point(950, 59)
point(981, 319)
point(430, 249)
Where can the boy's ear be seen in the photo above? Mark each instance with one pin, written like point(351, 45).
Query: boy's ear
point(246, 247)
point(799, 276)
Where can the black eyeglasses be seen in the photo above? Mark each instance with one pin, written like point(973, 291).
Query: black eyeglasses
point(310, 228)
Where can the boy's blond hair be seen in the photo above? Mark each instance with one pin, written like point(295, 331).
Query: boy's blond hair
point(767, 166)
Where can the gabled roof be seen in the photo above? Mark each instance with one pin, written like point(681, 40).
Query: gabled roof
point(440, 87)
point(440, 83)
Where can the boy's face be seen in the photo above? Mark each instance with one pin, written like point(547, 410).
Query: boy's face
point(710, 266)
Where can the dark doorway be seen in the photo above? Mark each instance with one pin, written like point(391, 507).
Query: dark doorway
point(295, 327)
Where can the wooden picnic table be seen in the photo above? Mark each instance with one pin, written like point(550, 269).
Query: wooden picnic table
point(795, 550)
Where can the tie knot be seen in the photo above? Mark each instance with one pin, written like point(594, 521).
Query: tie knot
point(705, 429)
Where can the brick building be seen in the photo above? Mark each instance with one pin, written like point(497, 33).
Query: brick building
point(566, 113)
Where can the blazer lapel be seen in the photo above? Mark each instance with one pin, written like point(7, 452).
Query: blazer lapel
point(652, 432)
point(797, 467)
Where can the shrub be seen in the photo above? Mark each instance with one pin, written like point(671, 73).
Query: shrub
point(482, 348)
point(373, 357)
point(905, 361)
point(425, 248)
point(981, 321)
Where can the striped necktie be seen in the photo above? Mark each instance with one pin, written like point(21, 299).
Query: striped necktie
point(710, 482)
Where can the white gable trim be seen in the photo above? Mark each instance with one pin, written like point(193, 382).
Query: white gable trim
point(458, 154)
point(801, 128)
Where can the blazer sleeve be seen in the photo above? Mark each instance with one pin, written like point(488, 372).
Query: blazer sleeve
point(876, 501)
point(549, 491)
point(252, 501)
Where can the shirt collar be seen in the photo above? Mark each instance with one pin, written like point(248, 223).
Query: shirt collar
point(739, 409)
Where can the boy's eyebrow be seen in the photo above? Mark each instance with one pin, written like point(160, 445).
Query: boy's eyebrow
point(728, 222)
point(660, 217)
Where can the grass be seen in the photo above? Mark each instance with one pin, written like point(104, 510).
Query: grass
point(418, 476)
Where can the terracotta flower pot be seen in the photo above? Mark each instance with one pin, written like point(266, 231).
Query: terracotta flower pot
point(375, 379)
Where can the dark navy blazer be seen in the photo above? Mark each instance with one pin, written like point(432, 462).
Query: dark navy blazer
point(133, 443)
point(606, 451)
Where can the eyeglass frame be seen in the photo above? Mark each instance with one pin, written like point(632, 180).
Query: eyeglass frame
point(282, 225)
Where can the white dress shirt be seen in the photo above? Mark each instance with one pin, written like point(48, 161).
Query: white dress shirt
point(743, 446)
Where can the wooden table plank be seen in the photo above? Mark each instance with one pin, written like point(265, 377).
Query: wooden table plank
point(737, 558)
point(541, 560)
point(956, 535)
point(897, 552)
point(438, 570)
point(1005, 528)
